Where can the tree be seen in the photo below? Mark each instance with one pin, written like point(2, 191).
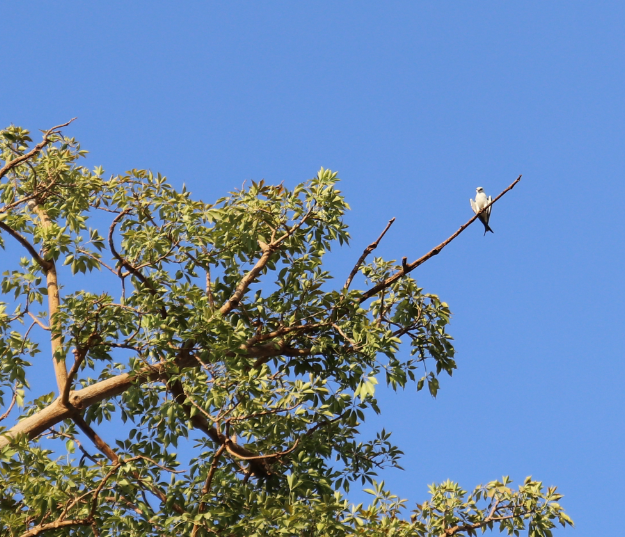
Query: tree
point(215, 326)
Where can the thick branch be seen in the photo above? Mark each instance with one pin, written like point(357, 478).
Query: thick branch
point(56, 412)
point(408, 267)
point(54, 303)
point(38, 530)
point(257, 463)
point(48, 266)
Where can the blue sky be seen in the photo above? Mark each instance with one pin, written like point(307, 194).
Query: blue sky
point(415, 104)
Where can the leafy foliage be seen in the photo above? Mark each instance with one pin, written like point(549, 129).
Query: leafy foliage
point(216, 326)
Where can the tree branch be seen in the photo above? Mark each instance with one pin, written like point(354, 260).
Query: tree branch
point(38, 530)
point(54, 304)
point(245, 282)
point(408, 267)
point(11, 405)
point(45, 265)
point(364, 255)
point(79, 400)
point(114, 458)
point(267, 250)
point(259, 464)
point(38, 321)
point(85, 453)
point(93, 436)
point(125, 263)
point(207, 484)
point(34, 151)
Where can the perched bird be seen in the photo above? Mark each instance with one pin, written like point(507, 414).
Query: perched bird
point(480, 202)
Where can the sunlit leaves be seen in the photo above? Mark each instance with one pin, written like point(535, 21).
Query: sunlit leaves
point(280, 382)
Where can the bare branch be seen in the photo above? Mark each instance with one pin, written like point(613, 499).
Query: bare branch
point(45, 265)
point(408, 267)
point(11, 405)
point(93, 436)
point(38, 321)
point(364, 255)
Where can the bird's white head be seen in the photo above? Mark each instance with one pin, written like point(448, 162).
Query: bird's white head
point(479, 189)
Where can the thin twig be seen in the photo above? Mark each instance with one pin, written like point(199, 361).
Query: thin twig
point(125, 263)
point(13, 399)
point(207, 484)
point(78, 443)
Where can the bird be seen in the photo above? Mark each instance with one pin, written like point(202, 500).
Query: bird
point(480, 202)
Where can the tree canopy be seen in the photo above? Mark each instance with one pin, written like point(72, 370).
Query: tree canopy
point(210, 376)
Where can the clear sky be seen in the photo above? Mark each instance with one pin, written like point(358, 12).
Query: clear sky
point(415, 104)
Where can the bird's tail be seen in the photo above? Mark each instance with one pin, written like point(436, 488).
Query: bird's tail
point(487, 228)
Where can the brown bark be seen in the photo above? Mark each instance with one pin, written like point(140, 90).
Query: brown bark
point(409, 267)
